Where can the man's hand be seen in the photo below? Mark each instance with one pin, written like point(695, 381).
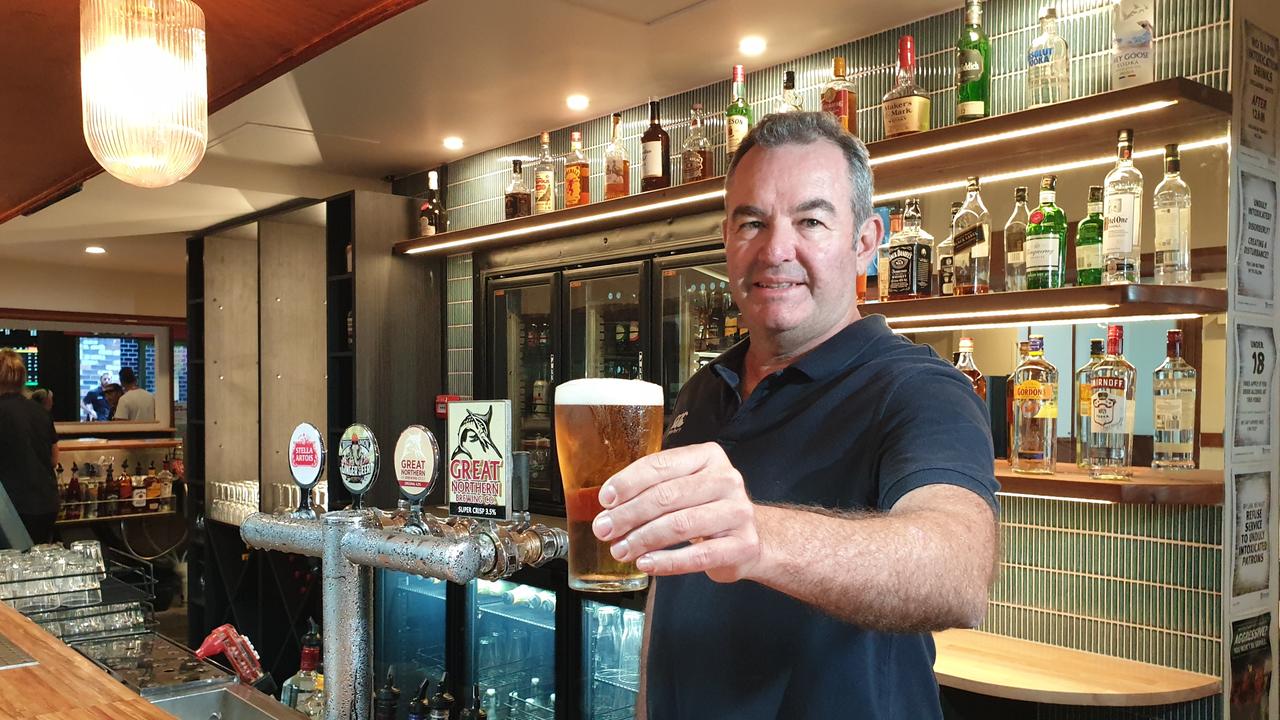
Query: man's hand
point(690, 494)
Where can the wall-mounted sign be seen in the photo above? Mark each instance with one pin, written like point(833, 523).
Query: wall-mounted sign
point(1261, 80)
point(480, 459)
point(358, 459)
point(417, 462)
point(1252, 534)
point(306, 455)
point(1255, 371)
point(1256, 252)
point(1250, 667)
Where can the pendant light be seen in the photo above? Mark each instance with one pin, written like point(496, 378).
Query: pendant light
point(144, 88)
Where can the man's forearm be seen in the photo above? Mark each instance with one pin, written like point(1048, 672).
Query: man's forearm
point(912, 570)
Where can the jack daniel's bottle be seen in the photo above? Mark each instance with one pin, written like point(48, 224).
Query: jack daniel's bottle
point(910, 257)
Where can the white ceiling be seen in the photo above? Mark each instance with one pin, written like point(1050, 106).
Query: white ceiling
point(490, 71)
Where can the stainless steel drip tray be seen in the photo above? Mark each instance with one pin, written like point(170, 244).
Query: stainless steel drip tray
point(11, 656)
point(152, 664)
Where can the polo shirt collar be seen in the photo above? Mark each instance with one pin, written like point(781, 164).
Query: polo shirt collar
point(837, 353)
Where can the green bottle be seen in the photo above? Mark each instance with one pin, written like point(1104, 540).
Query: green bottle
point(973, 66)
point(1089, 242)
point(1046, 244)
point(737, 116)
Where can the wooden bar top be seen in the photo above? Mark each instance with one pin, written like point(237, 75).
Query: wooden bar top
point(1146, 486)
point(65, 685)
point(1015, 669)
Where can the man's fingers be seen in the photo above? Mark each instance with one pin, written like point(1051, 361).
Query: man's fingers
point(700, 557)
point(653, 469)
point(665, 497)
point(680, 526)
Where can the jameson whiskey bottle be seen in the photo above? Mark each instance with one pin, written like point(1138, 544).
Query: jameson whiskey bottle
point(737, 116)
point(1089, 242)
point(577, 173)
point(1046, 244)
point(973, 66)
point(910, 257)
point(906, 106)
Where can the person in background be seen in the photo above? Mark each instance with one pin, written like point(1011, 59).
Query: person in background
point(94, 403)
point(135, 404)
point(28, 451)
point(112, 392)
point(44, 398)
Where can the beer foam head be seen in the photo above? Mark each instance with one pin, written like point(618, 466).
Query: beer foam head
point(608, 391)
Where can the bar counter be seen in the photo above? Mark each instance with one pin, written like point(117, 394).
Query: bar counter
point(64, 685)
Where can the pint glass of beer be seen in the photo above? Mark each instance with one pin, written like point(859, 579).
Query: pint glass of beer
point(602, 426)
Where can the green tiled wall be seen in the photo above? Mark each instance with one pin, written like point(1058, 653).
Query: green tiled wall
point(458, 312)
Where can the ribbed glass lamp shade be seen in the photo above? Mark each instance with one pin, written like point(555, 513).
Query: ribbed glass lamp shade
point(144, 88)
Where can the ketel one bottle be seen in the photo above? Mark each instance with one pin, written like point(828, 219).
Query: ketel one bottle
point(910, 257)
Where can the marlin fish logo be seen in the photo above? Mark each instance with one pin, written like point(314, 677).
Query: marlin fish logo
point(474, 440)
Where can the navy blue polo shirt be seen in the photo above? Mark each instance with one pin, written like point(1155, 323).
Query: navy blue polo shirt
point(854, 424)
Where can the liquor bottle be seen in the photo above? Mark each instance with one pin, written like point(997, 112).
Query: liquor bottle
point(138, 491)
point(840, 97)
point(972, 230)
point(62, 492)
point(1048, 64)
point(1082, 402)
point(1035, 412)
point(152, 487)
point(1132, 40)
point(386, 701)
point(518, 202)
point(1173, 223)
point(1111, 393)
point(945, 258)
point(1024, 347)
point(166, 485)
point(617, 166)
point(109, 497)
point(737, 116)
point(577, 173)
point(969, 369)
point(655, 152)
point(1046, 244)
point(441, 706)
point(73, 493)
point(906, 105)
point(1173, 389)
point(1089, 242)
point(474, 709)
point(1015, 237)
point(313, 705)
point(973, 66)
point(910, 257)
point(431, 216)
point(544, 178)
point(298, 688)
point(695, 156)
point(418, 703)
point(789, 100)
point(1122, 217)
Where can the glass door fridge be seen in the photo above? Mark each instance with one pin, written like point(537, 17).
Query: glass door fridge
point(611, 638)
point(697, 316)
point(512, 649)
point(523, 336)
point(409, 630)
point(607, 326)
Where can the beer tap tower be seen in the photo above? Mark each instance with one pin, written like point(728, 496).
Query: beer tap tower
point(352, 542)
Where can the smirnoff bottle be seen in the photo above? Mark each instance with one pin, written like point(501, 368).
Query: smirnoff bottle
point(1122, 217)
point(1111, 398)
point(1173, 389)
point(972, 236)
point(1172, 200)
point(1096, 353)
point(1035, 412)
point(1015, 236)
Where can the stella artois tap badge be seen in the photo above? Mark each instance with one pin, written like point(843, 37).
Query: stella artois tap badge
point(358, 460)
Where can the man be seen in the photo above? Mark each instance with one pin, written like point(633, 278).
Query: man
point(135, 404)
point(28, 451)
point(827, 495)
point(94, 403)
point(44, 398)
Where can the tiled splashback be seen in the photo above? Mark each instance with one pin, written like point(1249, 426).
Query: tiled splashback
point(1103, 578)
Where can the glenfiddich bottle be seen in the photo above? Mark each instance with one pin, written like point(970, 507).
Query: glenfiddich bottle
point(906, 106)
point(910, 257)
point(973, 66)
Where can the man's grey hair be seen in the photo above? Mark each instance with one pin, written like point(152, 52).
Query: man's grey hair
point(806, 128)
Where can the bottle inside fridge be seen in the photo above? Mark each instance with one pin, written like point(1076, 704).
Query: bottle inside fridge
point(611, 638)
point(513, 649)
point(700, 320)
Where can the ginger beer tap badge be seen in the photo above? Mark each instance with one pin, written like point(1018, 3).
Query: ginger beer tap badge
point(479, 468)
point(306, 455)
point(417, 462)
point(358, 459)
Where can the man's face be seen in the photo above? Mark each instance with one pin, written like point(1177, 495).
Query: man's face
point(790, 243)
point(105, 380)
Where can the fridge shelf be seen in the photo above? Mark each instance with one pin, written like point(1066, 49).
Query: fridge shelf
point(520, 614)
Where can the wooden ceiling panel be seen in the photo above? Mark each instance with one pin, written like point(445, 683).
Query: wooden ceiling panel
point(250, 43)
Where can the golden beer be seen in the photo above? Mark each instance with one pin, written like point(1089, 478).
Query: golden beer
point(602, 426)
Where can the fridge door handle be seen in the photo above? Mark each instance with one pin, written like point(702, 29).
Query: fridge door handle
point(553, 368)
point(640, 365)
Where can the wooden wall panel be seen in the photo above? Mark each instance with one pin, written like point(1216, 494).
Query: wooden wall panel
point(292, 342)
point(231, 357)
